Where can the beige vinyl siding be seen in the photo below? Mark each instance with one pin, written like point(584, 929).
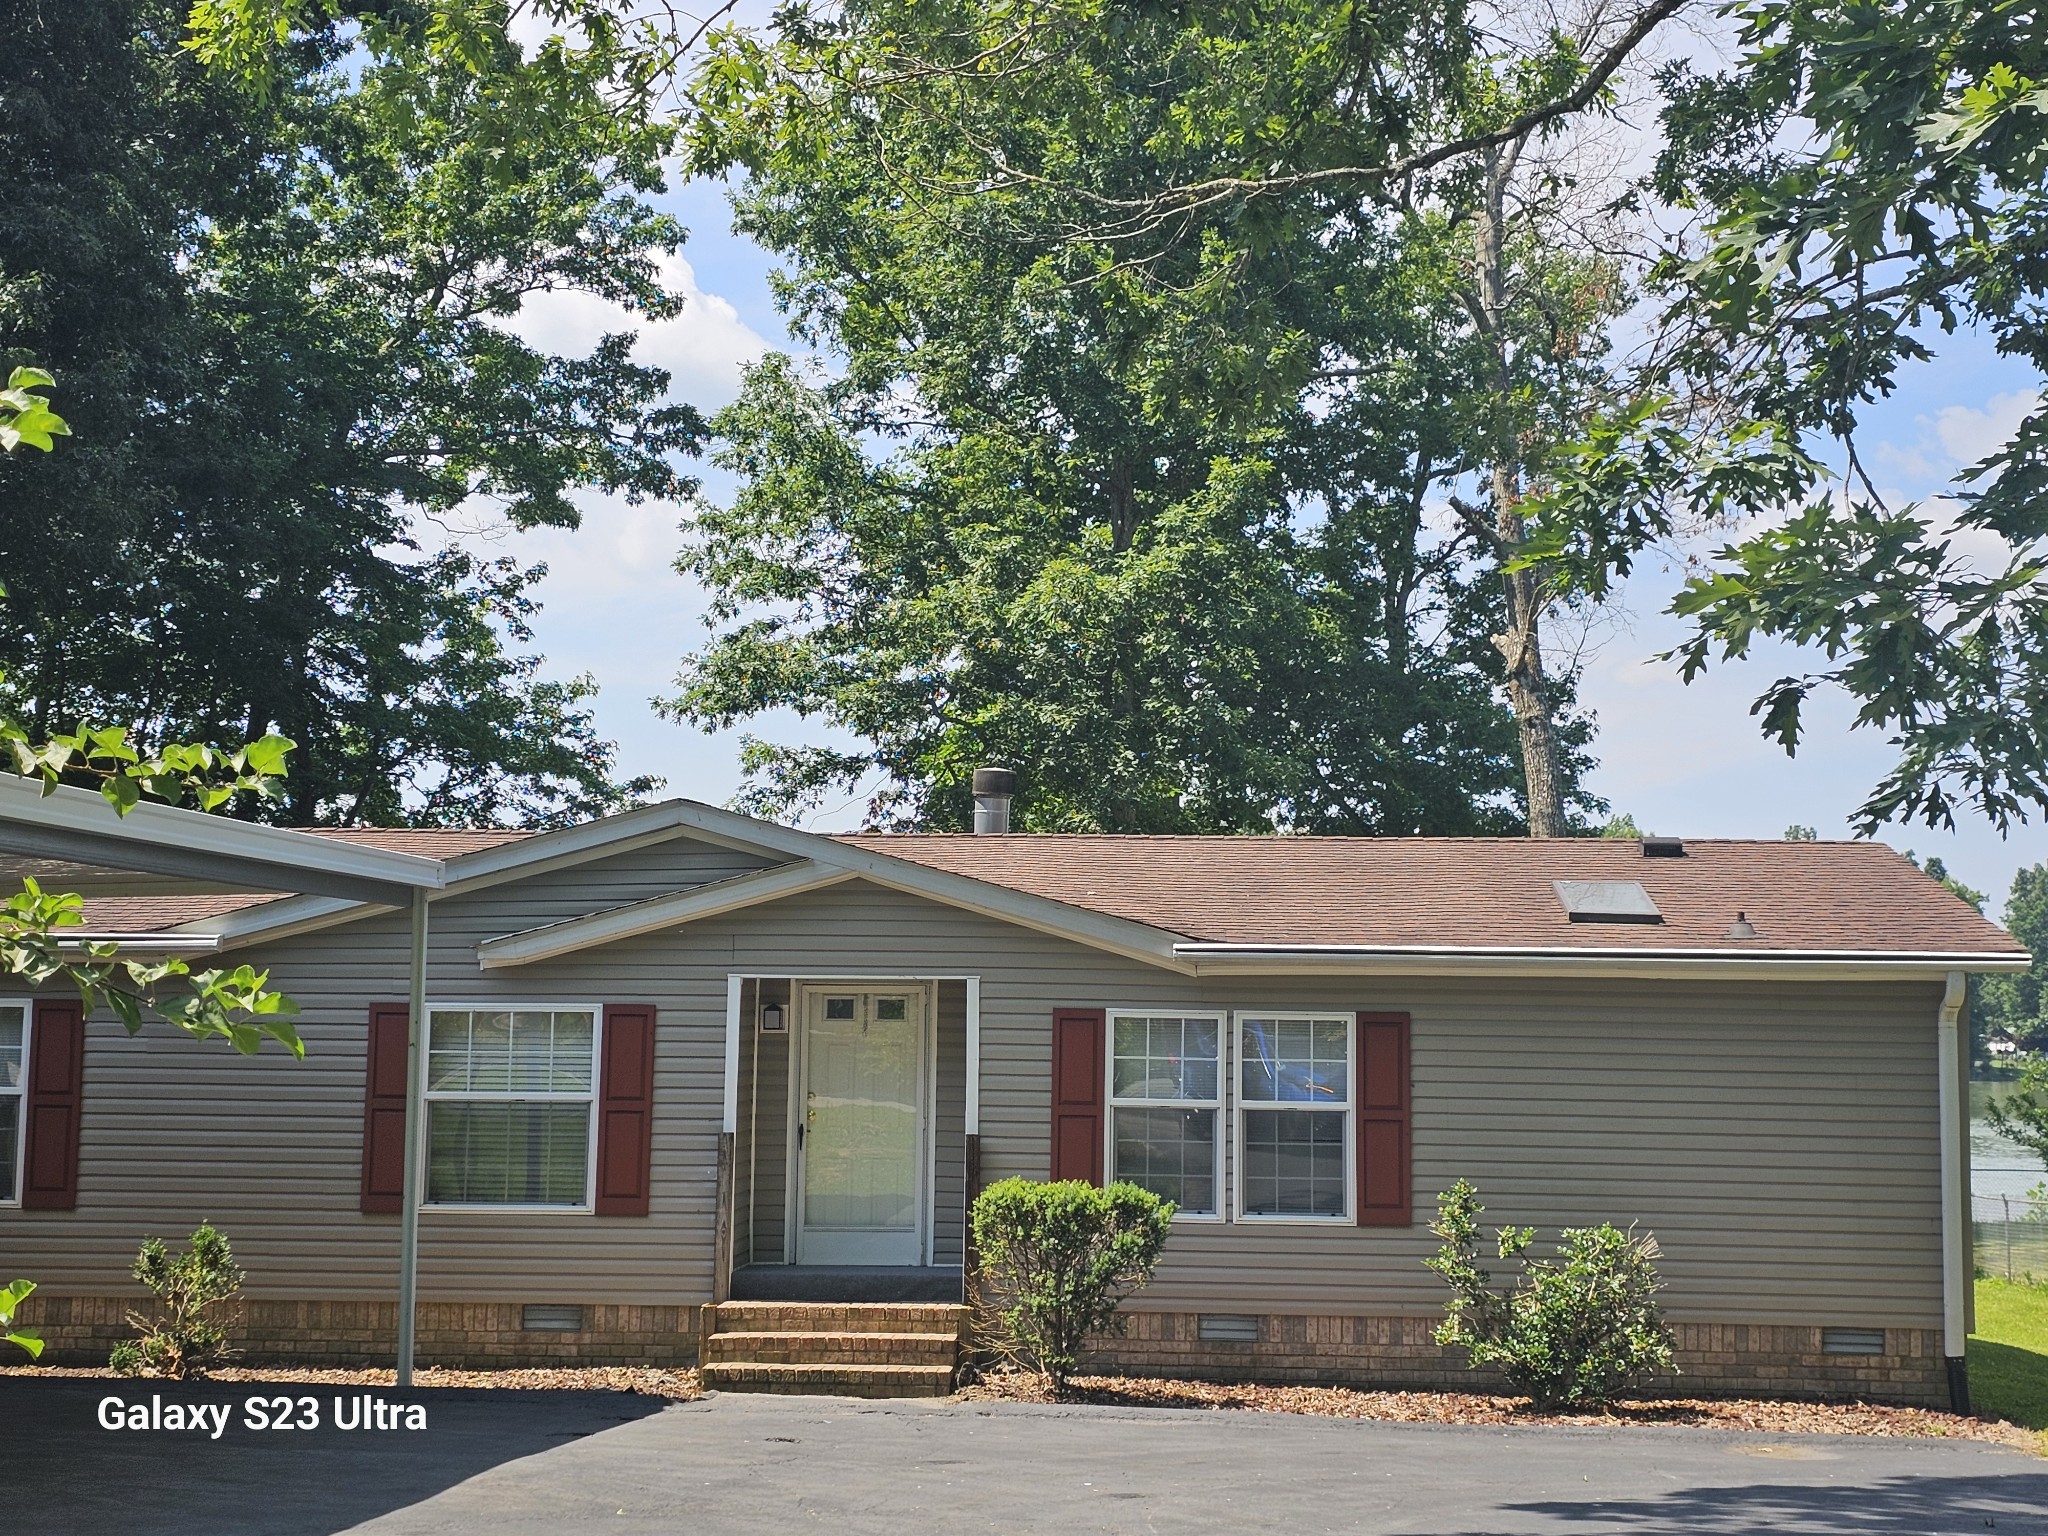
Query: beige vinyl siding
point(1780, 1140)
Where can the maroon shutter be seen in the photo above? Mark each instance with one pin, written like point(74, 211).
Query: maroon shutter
point(1385, 1182)
point(1077, 1113)
point(56, 1090)
point(384, 1111)
point(625, 1111)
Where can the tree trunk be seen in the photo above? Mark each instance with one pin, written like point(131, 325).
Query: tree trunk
point(1521, 642)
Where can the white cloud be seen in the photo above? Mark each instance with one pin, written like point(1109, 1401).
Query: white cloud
point(1969, 435)
point(705, 348)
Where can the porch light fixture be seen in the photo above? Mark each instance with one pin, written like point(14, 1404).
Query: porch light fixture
point(773, 1020)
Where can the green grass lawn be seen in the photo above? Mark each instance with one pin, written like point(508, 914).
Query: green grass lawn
point(2009, 1353)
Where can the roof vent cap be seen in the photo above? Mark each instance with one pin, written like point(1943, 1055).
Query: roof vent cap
point(1606, 901)
point(993, 788)
point(1742, 927)
point(1663, 847)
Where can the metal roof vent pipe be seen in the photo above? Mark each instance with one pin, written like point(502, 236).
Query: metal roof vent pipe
point(1742, 927)
point(993, 789)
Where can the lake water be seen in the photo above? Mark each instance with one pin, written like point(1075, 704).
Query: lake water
point(1997, 1166)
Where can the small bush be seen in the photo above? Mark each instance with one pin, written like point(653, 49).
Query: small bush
point(1574, 1331)
point(1055, 1261)
point(193, 1289)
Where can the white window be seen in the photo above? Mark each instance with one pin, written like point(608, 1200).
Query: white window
point(1165, 1101)
point(1294, 1122)
point(14, 1018)
point(511, 1106)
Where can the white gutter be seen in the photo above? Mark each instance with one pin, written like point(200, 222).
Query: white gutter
point(172, 942)
point(1955, 1176)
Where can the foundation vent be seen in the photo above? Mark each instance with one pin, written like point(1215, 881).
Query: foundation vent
point(547, 1317)
point(1217, 1328)
point(1852, 1341)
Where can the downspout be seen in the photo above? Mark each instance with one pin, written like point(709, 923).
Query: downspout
point(409, 1208)
point(1955, 1174)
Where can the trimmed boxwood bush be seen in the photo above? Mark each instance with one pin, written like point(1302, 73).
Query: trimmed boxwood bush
point(1053, 1262)
point(1574, 1331)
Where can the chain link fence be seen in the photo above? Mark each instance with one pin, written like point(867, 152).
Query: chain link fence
point(2011, 1236)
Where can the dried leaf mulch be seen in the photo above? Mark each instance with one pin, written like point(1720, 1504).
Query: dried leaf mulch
point(1769, 1415)
point(678, 1386)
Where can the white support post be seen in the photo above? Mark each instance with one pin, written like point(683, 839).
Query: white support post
point(730, 1122)
point(409, 1208)
point(973, 1127)
point(1955, 1176)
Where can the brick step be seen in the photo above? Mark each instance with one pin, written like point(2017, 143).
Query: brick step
point(831, 1380)
point(838, 1317)
point(833, 1348)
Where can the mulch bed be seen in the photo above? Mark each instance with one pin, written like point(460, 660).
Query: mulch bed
point(678, 1386)
point(1823, 1418)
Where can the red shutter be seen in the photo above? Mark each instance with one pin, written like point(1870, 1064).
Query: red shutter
point(1077, 1112)
point(1386, 1193)
point(384, 1111)
point(56, 1090)
point(625, 1111)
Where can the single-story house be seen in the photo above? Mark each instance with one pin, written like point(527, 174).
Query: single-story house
point(678, 1057)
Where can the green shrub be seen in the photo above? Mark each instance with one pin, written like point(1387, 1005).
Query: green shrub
point(1573, 1331)
point(1054, 1261)
point(192, 1290)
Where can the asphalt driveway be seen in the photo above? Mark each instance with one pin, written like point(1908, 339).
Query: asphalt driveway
point(512, 1463)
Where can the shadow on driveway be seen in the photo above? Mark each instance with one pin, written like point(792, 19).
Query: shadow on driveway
point(1894, 1506)
point(67, 1476)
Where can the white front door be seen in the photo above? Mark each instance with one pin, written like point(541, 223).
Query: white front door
point(860, 1137)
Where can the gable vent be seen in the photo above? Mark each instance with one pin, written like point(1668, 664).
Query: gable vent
point(1606, 901)
point(1663, 847)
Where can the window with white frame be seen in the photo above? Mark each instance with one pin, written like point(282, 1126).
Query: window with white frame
point(511, 1105)
point(13, 1096)
point(1165, 1102)
point(1294, 1116)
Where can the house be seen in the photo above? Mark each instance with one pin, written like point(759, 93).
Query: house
point(679, 1057)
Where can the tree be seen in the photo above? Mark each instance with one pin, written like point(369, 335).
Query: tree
point(2017, 1006)
point(234, 1005)
point(281, 323)
point(1867, 179)
point(1154, 522)
point(2022, 1115)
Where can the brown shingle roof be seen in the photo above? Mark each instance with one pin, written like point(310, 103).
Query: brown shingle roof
point(1425, 892)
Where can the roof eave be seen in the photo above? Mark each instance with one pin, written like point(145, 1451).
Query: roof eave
point(1217, 959)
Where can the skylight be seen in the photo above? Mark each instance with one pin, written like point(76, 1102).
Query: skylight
point(1606, 901)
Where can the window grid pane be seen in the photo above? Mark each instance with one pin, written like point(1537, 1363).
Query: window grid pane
point(1171, 1152)
point(1165, 1057)
point(1295, 1061)
point(512, 1052)
point(1294, 1162)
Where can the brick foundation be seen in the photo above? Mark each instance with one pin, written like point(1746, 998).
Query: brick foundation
point(80, 1330)
point(1714, 1359)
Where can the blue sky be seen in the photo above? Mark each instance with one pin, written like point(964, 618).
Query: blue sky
point(1684, 760)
